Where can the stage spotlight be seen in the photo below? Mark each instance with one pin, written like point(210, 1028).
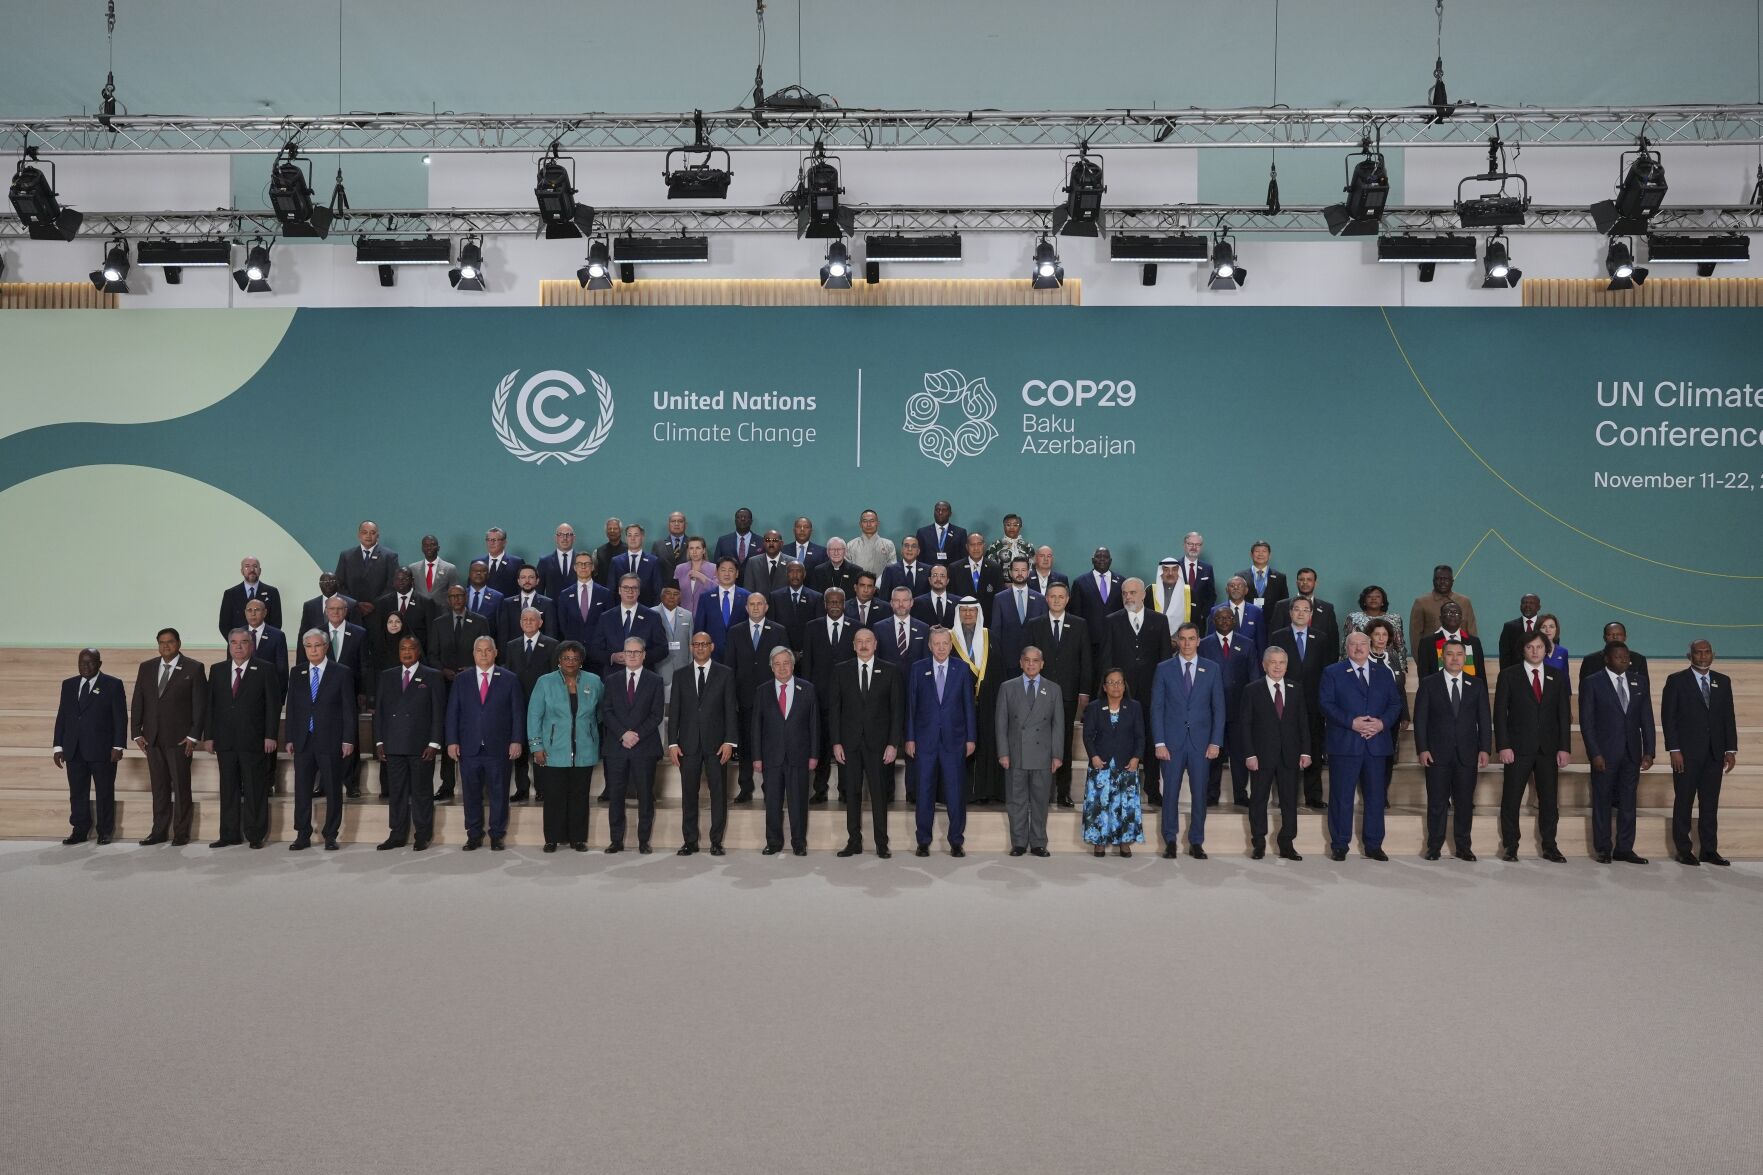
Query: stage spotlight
point(596, 274)
point(39, 209)
point(1640, 194)
point(290, 196)
point(818, 211)
point(836, 273)
point(1048, 273)
point(254, 277)
point(697, 180)
point(1368, 190)
point(1619, 264)
point(1702, 252)
point(1499, 272)
point(113, 276)
point(554, 189)
point(1081, 214)
point(1226, 273)
point(469, 273)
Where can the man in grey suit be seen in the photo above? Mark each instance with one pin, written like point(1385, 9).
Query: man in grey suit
point(433, 575)
point(769, 570)
point(1030, 710)
point(676, 624)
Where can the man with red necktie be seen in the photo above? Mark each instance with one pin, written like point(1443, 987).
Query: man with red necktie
point(1532, 727)
point(1514, 631)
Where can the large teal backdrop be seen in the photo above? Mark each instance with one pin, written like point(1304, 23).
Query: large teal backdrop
point(1368, 443)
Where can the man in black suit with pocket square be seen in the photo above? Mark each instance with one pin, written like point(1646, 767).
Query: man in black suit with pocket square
point(703, 723)
point(250, 586)
point(165, 718)
point(409, 730)
point(1453, 732)
point(244, 709)
point(365, 570)
point(785, 741)
point(91, 729)
point(867, 713)
point(1273, 737)
point(1701, 736)
point(1533, 723)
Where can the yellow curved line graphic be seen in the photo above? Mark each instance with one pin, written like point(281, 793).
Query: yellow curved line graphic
point(1582, 592)
point(1538, 506)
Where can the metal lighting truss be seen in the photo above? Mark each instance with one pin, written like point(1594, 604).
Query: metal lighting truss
point(1173, 218)
point(856, 129)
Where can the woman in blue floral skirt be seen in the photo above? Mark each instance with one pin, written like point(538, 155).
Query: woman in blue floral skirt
point(1114, 738)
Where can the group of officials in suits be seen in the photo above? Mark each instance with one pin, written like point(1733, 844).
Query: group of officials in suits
point(944, 652)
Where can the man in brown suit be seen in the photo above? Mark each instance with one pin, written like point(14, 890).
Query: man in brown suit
point(165, 720)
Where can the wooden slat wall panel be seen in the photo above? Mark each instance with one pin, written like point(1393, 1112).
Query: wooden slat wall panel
point(807, 292)
point(1708, 292)
point(54, 296)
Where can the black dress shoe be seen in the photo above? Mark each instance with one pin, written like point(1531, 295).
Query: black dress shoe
point(957, 851)
point(473, 843)
point(1170, 852)
point(602, 799)
point(1337, 854)
point(103, 840)
point(256, 844)
point(643, 847)
point(1015, 851)
point(1631, 857)
point(1508, 854)
point(580, 846)
point(1376, 855)
point(1603, 858)
point(924, 851)
point(615, 848)
point(331, 844)
point(391, 842)
point(154, 840)
point(1152, 803)
point(1197, 852)
point(686, 850)
point(179, 842)
point(771, 850)
point(1040, 851)
point(851, 851)
point(1288, 853)
point(1553, 854)
point(818, 797)
point(1714, 859)
point(550, 846)
point(519, 798)
point(354, 793)
point(716, 850)
point(419, 845)
point(884, 854)
point(1430, 855)
point(745, 797)
point(1258, 852)
point(1316, 806)
point(443, 797)
point(800, 852)
point(497, 844)
point(1465, 855)
point(300, 842)
point(1065, 802)
point(1686, 859)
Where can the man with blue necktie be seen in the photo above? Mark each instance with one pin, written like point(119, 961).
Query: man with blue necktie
point(1187, 728)
point(480, 598)
point(1030, 711)
point(1267, 586)
point(1701, 736)
point(321, 731)
point(649, 570)
point(722, 607)
point(1360, 707)
point(1012, 609)
point(940, 733)
point(942, 542)
point(803, 549)
point(1616, 723)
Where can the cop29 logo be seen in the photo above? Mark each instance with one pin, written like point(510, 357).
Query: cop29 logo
point(952, 416)
point(537, 433)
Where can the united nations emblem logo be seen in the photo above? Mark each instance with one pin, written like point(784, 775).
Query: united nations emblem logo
point(539, 434)
point(943, 439)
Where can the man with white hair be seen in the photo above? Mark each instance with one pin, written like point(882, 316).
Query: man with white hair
point(1360, 707)
point(785, 739)
point(486, 730)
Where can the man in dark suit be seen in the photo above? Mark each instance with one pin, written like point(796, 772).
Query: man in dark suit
point(909, 571)
point(936, 606)
point(1322, 613)
point(364, 571)
point(1187, 731)
point(580, 607)
point(1360, 705)
point(1069, 662)
point(723, 607)
point(166, 717)
point(1616, 722)
point(741, 543)
point(941, 732)
point(502, 565)
point(1701, 736)
point(1273, 737)
point(486, 730)
point(347, 646)
point(607, 551)
point(268, 645)
point(1593, 663)
point(1307, 657)
point(974, 575)
point(251, 586)
point(1513, 632)
point(802, 547)
point(828, 641)
point(1430, 648)
point(1532, 725)
point(651, 573)
point(433, 575)
point(409, 726)
point(91, 729)
point(1015, 605)
point(312, 612)
point(835, 571)
point(785, 737)
point(748, 652)
point(625, 620)
point(794, 605)
point(670, 548)
point(557, 568)
point(410, 607)
point(631, 711)
point(453, 636)
point(1197, 574)
point(769, 569)
point(1453, 731)
point(703, 723)
point(244, 709)
point(480, 597)
point(1135, 640)
point(322, 720)
point(1235, 658)
point(1041, 573)
point(942, 542)
point(867, 713)
point(863, 607)
point(1250, 623)
point(1096, 594)
point(525, 596)
point(529, 656)
point(1267, 586)
point(900, 639)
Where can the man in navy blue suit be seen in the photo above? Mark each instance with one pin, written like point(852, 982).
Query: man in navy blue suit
point(795, 605)
point(785, 734)
point(322, 720)
point(503, 566)
point(942, 542)
point(312, 611)
point(890, 647)
point(526, 595)
point(740, 544)
point(268, 645)
point(1250, 623)
point(580, 607)
point(1360, 705)
point(1237, 663)
point(1701, 736)
point(91, 729)
point(1187, 728)
point(557, 569)
point(941, 732)
point(651, 572)
point(1197, 574)
point(347, 644)
point(802, 547)
point(723, 607)
point(631, 710)
point(1616, 722)
point(481, 598)
point(1015, 605)
point(910, 570)
point(251, 586)
point(625, 620)
point(1096, 593)
point(486, 725)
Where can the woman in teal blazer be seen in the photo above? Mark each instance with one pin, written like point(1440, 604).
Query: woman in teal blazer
point(563, 731)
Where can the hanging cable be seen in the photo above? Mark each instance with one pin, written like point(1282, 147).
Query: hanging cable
point(107, 96)
point(1441, 105)
point(1273, 206)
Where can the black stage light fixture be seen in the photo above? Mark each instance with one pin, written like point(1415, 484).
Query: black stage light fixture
point(175, 256)
point(1498, 272)
point(388, 253)
point(290, 196)
point(1619, 264)
point(871, 272)
point(632, 250)
point(1702, 252)
point(1081, 213)
point(1048, 273)
point(254, 277)
point(694, 177)
point(1226, 274)
point(1499, 208)
point(112, 277)
point(469, 273)
point(819, 214)
point(596, 271)
point(388, 275)
point(929, 248)
point(1640, 194)
point(554, 189)
point(1150, 250)
point(836, 273)
point(1427, 252)
point(38, 207)
point(627, 273)
point(1368, 191)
